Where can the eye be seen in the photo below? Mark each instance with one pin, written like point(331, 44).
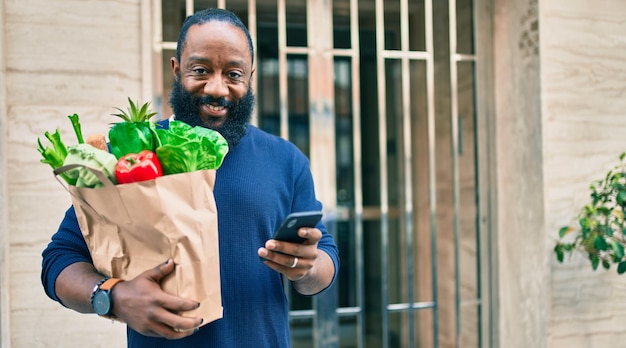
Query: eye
point(199, 71)
point(235, 75)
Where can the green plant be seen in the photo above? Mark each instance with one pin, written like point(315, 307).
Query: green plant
point(601, 230)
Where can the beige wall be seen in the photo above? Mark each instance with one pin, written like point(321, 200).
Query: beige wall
point(583, 81)
point(4, 245)
point(62, 57)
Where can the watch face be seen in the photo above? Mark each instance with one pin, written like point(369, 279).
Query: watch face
point(102, 302)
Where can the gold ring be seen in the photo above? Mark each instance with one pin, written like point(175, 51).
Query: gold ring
point(295, 262)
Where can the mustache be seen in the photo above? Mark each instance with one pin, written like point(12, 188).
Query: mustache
point(185, 107)
point(207, 99)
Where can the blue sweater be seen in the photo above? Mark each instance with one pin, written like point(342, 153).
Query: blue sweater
point(261, 180)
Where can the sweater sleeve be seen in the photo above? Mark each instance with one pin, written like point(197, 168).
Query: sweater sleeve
point(327, 244)
point(305, 199)
point(66, 247)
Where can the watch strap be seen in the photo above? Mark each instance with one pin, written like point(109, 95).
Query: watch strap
point(109, 283)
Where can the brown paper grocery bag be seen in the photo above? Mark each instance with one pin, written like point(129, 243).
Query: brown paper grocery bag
point(131, 228)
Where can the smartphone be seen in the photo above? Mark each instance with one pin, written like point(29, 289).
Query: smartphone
point(288, 230)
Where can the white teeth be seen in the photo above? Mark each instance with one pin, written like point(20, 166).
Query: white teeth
point(216, 108)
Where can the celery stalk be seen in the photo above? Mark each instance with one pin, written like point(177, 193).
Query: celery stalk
point(77, 129)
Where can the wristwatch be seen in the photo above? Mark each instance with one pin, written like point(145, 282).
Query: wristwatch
point(101, 300)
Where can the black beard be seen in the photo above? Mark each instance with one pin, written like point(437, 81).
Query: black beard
point(185, 107)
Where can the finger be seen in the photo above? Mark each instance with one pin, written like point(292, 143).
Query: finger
point(277, 249)
point(298, 272)
point(172, 333)
point(312, 235)
point(178, 304)
point(169, 301)
point(162, 323)
point(285, 262)
point(276, 246)
point(179, 323)
point(160, 271)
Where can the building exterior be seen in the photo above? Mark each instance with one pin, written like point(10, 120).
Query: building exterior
point(449, 141)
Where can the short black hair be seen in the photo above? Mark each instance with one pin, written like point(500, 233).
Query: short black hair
point(208, 15)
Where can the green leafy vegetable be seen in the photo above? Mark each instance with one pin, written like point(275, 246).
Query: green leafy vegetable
point(87, 155)
point(185, 149)
point(54, 155)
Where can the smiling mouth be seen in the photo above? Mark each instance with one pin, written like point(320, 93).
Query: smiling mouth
point(213, 113)
point(215, 107)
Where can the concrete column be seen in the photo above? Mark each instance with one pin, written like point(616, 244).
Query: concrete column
point(523, 265)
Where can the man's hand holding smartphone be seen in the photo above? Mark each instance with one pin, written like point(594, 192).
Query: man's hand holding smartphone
point(290, 253)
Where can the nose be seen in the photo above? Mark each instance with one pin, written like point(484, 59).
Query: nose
point(215, 86)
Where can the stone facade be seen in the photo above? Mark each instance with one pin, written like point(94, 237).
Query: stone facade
point(559, 81)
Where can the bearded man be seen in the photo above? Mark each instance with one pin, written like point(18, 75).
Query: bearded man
point(262, 179)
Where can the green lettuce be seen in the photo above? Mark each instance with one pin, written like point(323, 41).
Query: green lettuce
point(182, 148)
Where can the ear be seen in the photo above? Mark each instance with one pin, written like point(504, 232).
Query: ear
point(252, 74)
point(175, 66)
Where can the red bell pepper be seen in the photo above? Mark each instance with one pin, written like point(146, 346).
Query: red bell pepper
point(138, 167)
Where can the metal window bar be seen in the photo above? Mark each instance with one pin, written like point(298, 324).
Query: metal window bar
point(382, 139)
point(252, 28)
point(282, 69)
point(358, 176)
point(406, 126)
point(430, 90)
point(485, 170)
point(455, 170)
point(455, 59)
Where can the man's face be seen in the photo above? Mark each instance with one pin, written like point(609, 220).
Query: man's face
point(212, 80)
